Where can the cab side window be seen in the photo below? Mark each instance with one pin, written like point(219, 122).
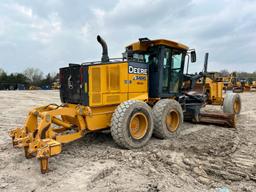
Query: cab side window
point(176, 60)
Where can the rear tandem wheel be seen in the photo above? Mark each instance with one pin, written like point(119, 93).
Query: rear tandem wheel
point(168, 117)
point(132, 124)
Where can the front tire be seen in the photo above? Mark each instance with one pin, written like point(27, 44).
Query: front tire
point(132, 124)
point(168, 117)
point(232, 103)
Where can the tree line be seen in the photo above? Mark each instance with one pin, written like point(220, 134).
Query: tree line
point(29, 77)
point(239, 75)
point(35, 77)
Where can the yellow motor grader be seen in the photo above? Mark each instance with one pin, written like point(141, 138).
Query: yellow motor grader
point(253, 86)
point(237, 84)
point(135, 96)
point(231, 82)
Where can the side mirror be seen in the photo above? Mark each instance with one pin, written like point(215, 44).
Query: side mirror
point(193, 56)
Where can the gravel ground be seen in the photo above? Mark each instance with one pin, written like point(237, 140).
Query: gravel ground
point(203, 158)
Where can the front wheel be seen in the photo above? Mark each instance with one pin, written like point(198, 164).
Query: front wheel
point(232, 103)
point(132, 124)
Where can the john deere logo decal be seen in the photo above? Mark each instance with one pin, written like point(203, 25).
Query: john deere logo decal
point(138, 68)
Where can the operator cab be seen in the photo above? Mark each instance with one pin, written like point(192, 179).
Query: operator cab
point(166, 60)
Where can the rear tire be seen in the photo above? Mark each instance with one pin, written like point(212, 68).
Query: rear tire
point(168, 117)
point(132, 124)
point(232, 103)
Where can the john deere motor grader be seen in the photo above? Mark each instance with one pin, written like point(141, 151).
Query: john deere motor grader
point(135, 96)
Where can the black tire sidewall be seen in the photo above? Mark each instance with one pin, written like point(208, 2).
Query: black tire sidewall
point(160, 110)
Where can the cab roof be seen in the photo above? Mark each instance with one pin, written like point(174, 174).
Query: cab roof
point(144, 43)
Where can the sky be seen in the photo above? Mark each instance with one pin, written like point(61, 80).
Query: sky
point(50, 34)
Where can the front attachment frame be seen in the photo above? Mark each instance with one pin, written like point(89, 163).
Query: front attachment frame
point(46, 128)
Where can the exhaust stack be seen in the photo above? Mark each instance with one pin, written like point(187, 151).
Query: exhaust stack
point(103, 43)
point(206, 62)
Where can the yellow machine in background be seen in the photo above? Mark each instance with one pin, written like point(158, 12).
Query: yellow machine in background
point(214, 88)
point(136, 96)
point(32, 87)
point(231, 83)
point(237, 85)
point(212, 84)
point(245, 85)
point(55, 85)
point(253, 86)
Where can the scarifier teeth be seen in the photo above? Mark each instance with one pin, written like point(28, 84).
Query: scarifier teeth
point(21, 142)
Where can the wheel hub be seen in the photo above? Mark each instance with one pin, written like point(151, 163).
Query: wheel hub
point(172, 120)
point(138, 126)
point(236, 106)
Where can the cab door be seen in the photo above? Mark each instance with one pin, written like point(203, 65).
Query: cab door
point(171, 71)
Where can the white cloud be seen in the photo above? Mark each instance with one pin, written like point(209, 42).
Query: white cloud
point(58, 31)
point(26, 11)
point(98, 13)
point(84, 30)
point(46, 29)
